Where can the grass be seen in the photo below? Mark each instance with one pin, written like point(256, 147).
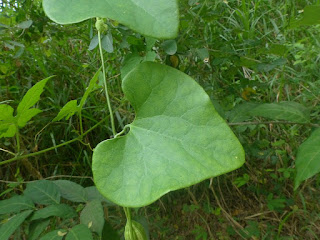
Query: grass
point(239, 37)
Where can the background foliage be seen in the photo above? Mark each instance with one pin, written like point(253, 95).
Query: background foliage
point(242, 53)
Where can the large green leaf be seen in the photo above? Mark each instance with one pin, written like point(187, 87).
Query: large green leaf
point(78, 193)
point(43, 192)
point(155, 18)
point(54, 235)
point(93, 216)
point(8, 228)
point(177, 139)
point(79, 232)
point(308, 158)
point(289, 111)
point(15, 204)
point(57, 210)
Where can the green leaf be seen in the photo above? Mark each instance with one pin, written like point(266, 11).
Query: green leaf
point(71, 191)
point(6, 112)
point(94, 194)
point(31, 97)
point(130, 62)
point(93, 216)
point(177, 139)
point(7, 121)
point(36, 228)
point(67, 111)
point(92, 86)
point(109, 232)
point(289, 111)
point(155, 18)
point(55, 235)
point(107, 43)
point(43, 192)
point(308, 158)
point(22, 119)
point(24, 113)
point(15, 204)
point(310, 17)
point(93, 43)
point(170, 47)
point(79, 232)
point(241, 112)
point(25, 24)
point(8, 228)
point(57, 210)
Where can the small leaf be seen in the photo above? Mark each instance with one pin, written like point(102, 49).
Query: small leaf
point(93, 215)
point(155, 18)
point(24, 118)
point(92, 86)
point(15, 204)
point(107, 43)
point(43, 192)
point(36, 228)
point(310, 17)
point(54, 235)
point(170, 47)
point(71, 191)
point(289, 111)
point(7, 121)
point(57, 210)
point(31, 97)
point(308, 158)
point(67, 111)
point(94, 43)
point(177, 139)
point(8, 228)
point(79, 232)
point(25, 24)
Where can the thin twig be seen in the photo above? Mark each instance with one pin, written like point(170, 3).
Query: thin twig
point(51, 177)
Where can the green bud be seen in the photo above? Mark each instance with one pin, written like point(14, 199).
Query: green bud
point(100, 25)
point(134, 232)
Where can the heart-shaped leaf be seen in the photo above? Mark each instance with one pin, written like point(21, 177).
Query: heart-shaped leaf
point(155, 18)
point(177, 139)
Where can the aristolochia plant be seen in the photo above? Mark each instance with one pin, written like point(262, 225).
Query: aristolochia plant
point(177, 138)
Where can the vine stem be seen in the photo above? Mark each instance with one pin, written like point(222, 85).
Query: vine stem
point(51, 148)
point(105, 84)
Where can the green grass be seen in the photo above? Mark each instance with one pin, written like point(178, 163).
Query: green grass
point(239, 37)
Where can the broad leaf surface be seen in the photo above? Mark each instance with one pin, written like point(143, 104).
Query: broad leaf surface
point(57, 210)
point(8, 228)
point(7, 121)
point(15, 204)
point(308, 158)
point(79, 232)
point(43, 192)
point(93, 216)
point(36, 228)
point(289, 111)
point(176, 140)
point(155, 18)
point(31, 97)
point(71, 191)
point(310, 17)
point(54, 235)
